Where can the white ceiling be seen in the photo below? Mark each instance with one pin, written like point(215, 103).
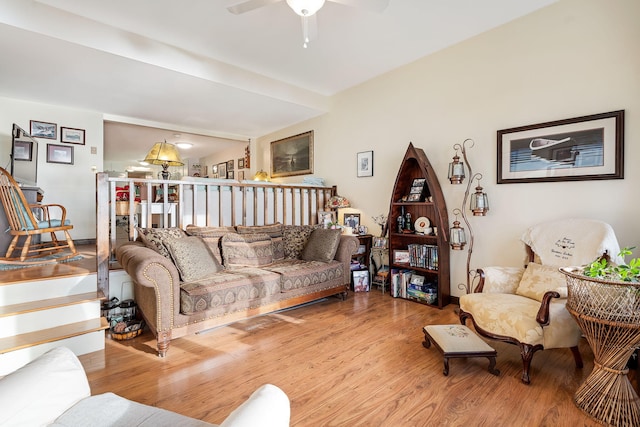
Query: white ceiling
point(192, 66)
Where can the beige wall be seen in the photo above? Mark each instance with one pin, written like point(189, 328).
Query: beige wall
point(574, 58)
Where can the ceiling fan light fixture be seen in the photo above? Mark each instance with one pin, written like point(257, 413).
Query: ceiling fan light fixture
point(305, 7)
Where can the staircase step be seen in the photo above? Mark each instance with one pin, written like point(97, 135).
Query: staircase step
point(31, 339)
point(28, 307)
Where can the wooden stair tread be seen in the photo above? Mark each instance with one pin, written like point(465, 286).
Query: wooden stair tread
point(43, 336)
point(27, 307)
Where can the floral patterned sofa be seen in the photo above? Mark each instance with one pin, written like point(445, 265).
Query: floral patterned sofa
point(187, 281)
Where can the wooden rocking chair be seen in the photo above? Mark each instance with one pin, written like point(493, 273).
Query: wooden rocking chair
point(24, 223)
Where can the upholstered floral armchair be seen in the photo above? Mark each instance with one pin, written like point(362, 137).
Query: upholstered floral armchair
point(526, 306)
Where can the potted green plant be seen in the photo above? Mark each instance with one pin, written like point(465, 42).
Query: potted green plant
point(606, 289)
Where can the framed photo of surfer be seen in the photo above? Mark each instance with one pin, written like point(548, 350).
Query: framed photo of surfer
point(582, 148)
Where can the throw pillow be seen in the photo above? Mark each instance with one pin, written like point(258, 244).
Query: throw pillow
point(192, 258)
point(321, 245)
point(294, 238)
point(154, 238)
point(273, 230)
point(539, 279)
point(248, 250)
point(211, 236)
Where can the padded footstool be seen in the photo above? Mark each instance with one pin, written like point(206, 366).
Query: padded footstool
point(457, 341)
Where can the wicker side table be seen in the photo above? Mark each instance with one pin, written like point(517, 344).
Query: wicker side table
point(608, 313)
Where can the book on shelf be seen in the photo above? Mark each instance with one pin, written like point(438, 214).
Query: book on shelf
point(423, 256)
point(400, 278)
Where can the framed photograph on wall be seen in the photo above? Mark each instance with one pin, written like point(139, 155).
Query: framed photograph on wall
point(59, 154)
point(22, 150)
point(292, 156)
point(360, 280)
point(230, 175)
point(241, 163)
point(240, 175)
point(44, 129)
point(229, 165)
point(72, 136)
point(365, 163)
point(577, 149)
point(222, 170)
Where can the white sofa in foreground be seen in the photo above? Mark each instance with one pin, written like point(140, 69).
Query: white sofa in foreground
point(53, 390)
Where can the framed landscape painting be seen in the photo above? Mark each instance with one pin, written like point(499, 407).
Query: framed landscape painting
point(582, 148)
point(292, 156)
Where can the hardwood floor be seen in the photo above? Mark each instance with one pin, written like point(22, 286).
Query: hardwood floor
point(358, 362)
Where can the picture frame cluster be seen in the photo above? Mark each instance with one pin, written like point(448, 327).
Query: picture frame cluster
point(56, 153)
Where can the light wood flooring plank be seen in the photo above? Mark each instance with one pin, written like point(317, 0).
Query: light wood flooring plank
point(358, 362)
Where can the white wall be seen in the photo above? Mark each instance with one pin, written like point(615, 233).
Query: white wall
point(72, 186)
point(574, 58)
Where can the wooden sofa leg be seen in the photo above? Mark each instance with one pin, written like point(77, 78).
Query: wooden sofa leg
point(576, 356)
point(163, 339)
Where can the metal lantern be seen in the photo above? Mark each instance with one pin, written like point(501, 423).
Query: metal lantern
point(456, 170)
point(128, 310)
point(457, 237)
point(479, 202)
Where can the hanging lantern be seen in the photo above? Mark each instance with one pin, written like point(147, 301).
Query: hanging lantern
point(456, 170)
point(457, 237)
point(479, 202)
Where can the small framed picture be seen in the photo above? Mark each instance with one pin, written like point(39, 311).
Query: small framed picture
point(240, 175)
point(379, 242)
point(72, 136)
point(230, 175)
point(352, 220)
point(22, 150)
point(365, 163)
point(325, 218)
point(59, 154)
point(360, 280)
point(241, 163)
point(214, 169)
point(44, 130)
point(222, 170)
point(229, 165)
point(400, 257)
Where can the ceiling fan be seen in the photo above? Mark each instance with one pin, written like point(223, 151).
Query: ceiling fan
point(307, 10)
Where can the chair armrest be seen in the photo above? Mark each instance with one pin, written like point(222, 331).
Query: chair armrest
point(268, 406)
point(503, 280)
point(543, 317)
point(157, 283)
point(46, 215)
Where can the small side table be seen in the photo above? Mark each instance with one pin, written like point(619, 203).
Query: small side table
point(458, 341)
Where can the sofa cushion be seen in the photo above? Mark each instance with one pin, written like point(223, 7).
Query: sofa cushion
point(514, 316)
point(274, 231)
point(154, 238)
point(295, 237)
point(192, 257)
point(296, 274)
point(539, 279)
point(321, 245)
point(212, 236)
point(109, 409)
point(233, 288)
point(246, 250)
point(40, 391)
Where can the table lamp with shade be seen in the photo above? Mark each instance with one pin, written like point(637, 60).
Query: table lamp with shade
point(336, 202)
point(164, 154)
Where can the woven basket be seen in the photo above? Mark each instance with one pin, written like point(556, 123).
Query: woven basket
point(121, 336)
point(122, 208)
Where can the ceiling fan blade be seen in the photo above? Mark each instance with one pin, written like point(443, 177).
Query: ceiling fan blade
point(371, 5)
point(249, 5)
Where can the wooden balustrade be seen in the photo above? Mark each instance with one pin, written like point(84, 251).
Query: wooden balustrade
point(202, 202)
